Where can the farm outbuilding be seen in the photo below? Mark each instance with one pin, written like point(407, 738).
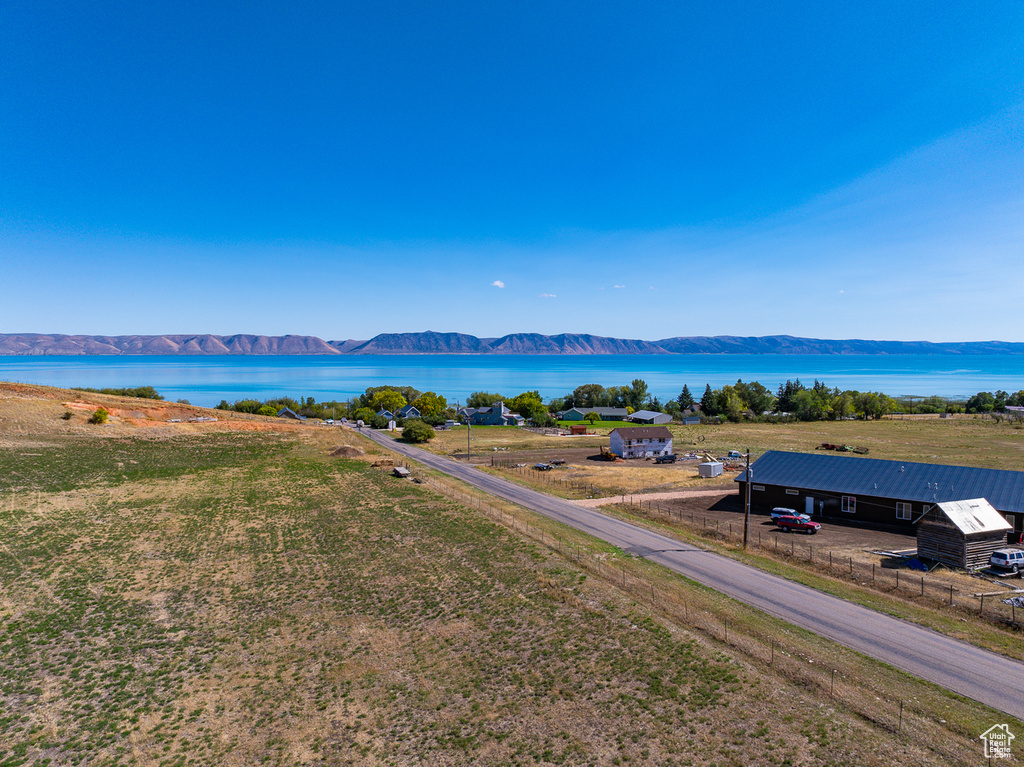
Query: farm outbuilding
point(649, 416)
point(709, 469)
point(875, 491)
point(961, 533)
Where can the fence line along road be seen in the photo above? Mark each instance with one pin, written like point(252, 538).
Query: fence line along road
point(987, 677)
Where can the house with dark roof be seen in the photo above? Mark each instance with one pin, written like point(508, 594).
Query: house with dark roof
point(875, 491)
point(606, 413)
point(495, 415)
point(640, 441)
point(409, 411)
point(289, 413)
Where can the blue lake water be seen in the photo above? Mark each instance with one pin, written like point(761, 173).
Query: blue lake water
point(207, 380)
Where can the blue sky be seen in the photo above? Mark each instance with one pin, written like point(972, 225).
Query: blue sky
point(342, 170)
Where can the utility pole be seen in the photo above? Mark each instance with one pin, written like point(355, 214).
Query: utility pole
point(746, 514)
point(468, 427)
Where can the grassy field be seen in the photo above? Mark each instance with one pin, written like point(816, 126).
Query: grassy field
point(228, 595)
point(968, 440)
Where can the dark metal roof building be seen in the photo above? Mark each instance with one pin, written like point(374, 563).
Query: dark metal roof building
point(901, 480)
point(876, 492)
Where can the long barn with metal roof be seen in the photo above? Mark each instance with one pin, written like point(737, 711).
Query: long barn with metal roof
point(892, 493)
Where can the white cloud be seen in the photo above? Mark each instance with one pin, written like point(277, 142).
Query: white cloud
point(498, 284)
point(618, 286)
point(548, 295)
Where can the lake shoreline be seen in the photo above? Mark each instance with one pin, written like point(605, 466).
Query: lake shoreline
point(207, 379)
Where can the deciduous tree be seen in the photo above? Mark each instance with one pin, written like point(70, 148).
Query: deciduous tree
point(388, 399)
point(480, 399)
point(417, 431)
point(430, 403)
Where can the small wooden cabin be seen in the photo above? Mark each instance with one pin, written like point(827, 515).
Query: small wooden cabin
point(961, 533)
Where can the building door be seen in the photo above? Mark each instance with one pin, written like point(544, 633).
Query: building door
point(809, 506)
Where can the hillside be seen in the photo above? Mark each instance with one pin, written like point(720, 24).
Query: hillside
point(430, 342)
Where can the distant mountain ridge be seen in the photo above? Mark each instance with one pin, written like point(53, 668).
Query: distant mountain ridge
point(430, 342)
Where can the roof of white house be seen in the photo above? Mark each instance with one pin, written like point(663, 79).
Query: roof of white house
point(974, 516)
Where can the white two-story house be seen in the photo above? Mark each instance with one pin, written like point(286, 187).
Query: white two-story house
point(641, 441)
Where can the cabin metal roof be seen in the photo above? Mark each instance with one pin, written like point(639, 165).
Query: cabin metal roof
point(899, 480)
point(974, 516)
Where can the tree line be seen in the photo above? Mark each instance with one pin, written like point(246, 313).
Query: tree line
point(741, 401)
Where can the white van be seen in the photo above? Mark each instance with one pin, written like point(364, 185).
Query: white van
point(1008, 559)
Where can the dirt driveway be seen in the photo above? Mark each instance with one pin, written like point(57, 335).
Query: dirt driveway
point(713, 508)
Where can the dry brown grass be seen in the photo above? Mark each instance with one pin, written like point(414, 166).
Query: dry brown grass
point(225, 597)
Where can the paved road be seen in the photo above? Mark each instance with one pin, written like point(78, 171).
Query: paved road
point(984, 676)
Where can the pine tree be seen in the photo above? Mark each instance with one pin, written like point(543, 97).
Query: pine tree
point(707, 402)
point(685, 399)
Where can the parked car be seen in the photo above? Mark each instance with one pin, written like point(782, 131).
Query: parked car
point(665, 459)
point(790, 523)
point(557, 462)
point(1007, 559)
point(543, 466)
point(780, 511)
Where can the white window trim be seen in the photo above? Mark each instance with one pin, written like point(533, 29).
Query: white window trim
point(792, 492)
point(904, 510)
point(757, 487)
point(849, 504)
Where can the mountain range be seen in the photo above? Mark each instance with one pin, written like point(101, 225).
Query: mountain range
point(459, 343)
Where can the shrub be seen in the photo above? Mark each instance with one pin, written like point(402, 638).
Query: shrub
point(100, 416)
point(139, 392)
point(417, 431)
point(267, 410)
point(68, 415)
